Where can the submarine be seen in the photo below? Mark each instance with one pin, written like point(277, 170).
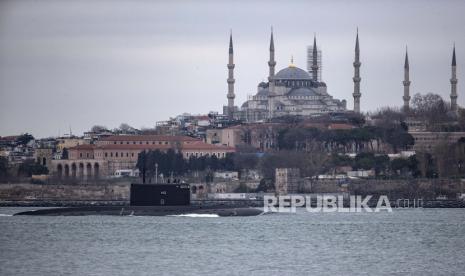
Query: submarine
point(152, 200)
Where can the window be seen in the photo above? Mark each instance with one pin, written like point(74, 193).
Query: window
point(114, 143)
point(132, 154)
point(80, 154)
point(127, 154)
point(87, 155)
point(121, 142)
point(127, 143)
point(106, 154)
point(147, 142)
point(116, 154)
point(140, 142)
point(134, 142)
point(122, 155)
point(111, 154)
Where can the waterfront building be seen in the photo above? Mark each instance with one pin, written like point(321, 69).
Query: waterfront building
point(287, 181)
point(121, 152)
point(427, 140)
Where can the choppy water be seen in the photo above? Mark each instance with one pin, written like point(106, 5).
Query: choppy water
point(419, 242)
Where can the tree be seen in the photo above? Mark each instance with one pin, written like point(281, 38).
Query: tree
point(64, 153)
point(399, 138)
point(426, 165)
point(245, 161)
point(266, 185)
point(30, 167)
point(399, 164)
point(309, 164)
point(25, 138)
point(388, 117)
point(297, 138)
point(367, 161)
point(3, 166)
point(364, 160)
point(98, 128)
point(432, 109)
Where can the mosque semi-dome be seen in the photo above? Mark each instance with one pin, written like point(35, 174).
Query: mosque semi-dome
point(302, 92)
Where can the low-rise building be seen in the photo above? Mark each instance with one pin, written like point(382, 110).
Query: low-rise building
point(426, 141)
point(121, 153)
point(287, 180)
point(227, 175)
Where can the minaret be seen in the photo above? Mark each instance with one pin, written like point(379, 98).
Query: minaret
point(406, 83)
point(231, 80)
point(356, 77)
point(271, 62)
point(453, 84)
point(315, 61)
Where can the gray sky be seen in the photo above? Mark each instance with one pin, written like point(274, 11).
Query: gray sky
point(78, 63)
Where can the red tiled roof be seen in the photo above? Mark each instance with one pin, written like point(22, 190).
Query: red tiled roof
point(9, 138)
point(83, 147)
point(256, 125)
point(134, 147)
point(205, 146)
point(148, 138)
point(194, 146)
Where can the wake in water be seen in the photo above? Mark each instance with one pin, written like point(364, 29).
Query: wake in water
point(196, 215)
point(5, 215)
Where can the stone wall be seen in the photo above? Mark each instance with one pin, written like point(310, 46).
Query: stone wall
point(398, 188)
point(41, 192)
point(119, 191)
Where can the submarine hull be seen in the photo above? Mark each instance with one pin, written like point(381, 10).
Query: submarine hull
point(142, 211)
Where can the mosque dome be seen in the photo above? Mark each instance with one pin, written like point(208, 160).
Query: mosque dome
point(292, 73)
point(263, 92)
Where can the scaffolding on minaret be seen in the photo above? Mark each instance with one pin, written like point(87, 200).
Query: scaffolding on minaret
point(319, 60)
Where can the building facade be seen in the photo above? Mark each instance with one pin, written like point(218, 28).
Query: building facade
point(121, 152)
point(287, 181)
point(426, 141)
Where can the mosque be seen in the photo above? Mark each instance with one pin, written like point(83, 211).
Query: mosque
point(293, 91)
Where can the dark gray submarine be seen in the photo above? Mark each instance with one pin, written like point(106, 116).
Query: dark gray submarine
point(152, 200)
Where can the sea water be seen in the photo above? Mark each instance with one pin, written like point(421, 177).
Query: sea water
point(404, 242)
